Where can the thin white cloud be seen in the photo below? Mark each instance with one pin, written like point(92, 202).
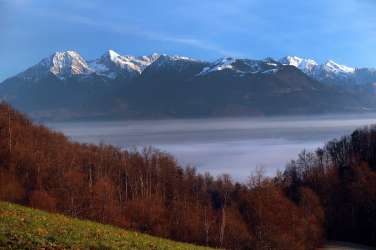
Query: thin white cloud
point(138, 31)
point(203, 45)
point(193, 42)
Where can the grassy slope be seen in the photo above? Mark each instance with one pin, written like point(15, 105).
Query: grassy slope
point(25, 228)
point(345, 246)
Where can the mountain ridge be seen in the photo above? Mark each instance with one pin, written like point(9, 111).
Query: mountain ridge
point(111, 64)
point(331, 72)
point(66, 86)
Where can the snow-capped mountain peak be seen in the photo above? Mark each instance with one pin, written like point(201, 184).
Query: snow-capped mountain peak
point(165, 57)
point(219, 65)
point(112, 64)
point(223, 63)
point(329, 71)
point(68, 63)
point(334, 67)
point(123, 62)
point(171, 63)
point(113, 55)
point(243, 66)
point(292, 60)
point(304, 64)
point(60, 64)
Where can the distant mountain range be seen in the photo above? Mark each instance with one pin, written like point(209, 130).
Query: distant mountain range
point(332, 72)
point(66, 86)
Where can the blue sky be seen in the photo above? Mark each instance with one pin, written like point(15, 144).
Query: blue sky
point(342, 30)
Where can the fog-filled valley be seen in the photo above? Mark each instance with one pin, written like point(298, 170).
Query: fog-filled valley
point(145, 125)
point(230, 145)
point(153, 192)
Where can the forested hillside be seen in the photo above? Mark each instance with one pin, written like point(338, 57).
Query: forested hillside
point(330, 193)
point(343, 176)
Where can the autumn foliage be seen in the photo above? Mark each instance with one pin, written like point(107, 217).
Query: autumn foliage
point(343, 177)
point(148, 191)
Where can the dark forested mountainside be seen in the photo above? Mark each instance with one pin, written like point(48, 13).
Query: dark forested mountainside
point(70, 98)
point(330, 193)
point(226, 94)
point(164, 93)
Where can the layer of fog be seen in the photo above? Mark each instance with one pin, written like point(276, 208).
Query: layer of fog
point(234, 146)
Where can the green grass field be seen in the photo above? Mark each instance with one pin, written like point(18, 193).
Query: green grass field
point(25, 228)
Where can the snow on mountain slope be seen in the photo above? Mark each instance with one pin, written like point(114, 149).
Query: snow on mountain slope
point(221, 64)
point(69, 62)
point(242, 66)
point(305, 65)
point(60, 64)
point(112, 64)
point(174, 64)
point(164, 60)
point(329, 71)
point(334, 67)
point(334, 72)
